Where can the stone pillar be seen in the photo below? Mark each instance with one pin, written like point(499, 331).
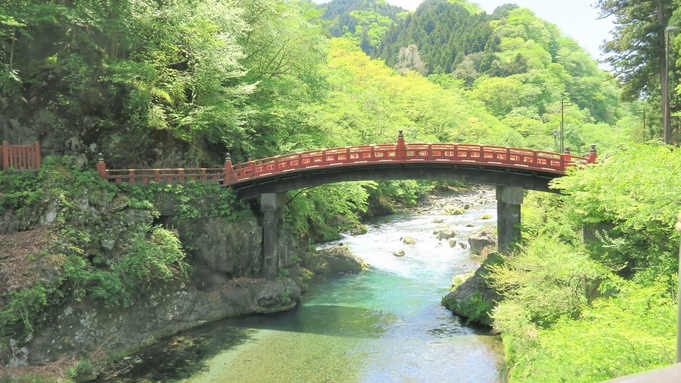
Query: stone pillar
point(271, 205)
point(509, 199)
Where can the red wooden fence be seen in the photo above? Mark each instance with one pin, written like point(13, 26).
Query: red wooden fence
point(20, 157)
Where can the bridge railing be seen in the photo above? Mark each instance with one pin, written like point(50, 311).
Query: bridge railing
point(437, 153)
point(176, 175)
point(488, 155)
point(20, 157)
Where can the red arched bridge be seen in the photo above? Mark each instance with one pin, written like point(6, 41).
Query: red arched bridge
point(512, 170)
point(496, 165)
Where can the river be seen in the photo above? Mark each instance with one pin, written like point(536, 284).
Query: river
point(383, 325)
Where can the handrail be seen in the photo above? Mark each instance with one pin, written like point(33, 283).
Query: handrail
point(361, 155)
point(491, 155)
point(163, 175)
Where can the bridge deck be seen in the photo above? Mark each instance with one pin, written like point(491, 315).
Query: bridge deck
point(358, 157)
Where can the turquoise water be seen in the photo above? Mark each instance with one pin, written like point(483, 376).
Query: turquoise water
point(383, 325)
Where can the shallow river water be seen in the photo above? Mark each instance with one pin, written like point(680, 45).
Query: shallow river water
point(383, 325)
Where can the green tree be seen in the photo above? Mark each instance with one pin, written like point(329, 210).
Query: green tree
point(285, 52)
point(637, 50)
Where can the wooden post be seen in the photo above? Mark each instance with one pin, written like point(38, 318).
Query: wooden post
point(101, 167)
point(5, 155)
point(593, 155)
point(567, 158)
point(229, 171)
point(401, 147)
point(37, 155)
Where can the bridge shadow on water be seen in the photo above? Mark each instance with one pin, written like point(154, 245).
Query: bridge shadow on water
point(184, 355)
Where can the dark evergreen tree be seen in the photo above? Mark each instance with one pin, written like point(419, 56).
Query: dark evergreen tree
point(444, 33)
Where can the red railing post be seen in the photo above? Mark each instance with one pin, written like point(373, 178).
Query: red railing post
point(229, 171)
point(401, 147)
point(101, 167)
point(5, 155)
point(37, 155)
point(567, 158)
point(593, 155)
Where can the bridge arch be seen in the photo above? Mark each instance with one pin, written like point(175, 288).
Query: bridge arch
point(485, 164)
point(512, 170)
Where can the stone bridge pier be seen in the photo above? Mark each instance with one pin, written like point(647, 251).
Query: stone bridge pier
point(509, 199)
point(271, 205)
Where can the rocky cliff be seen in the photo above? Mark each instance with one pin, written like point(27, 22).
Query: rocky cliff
point(82, 242)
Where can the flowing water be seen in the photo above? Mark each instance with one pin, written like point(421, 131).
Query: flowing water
point(383, 325)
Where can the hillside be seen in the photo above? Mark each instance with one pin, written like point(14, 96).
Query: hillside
point(522, 68)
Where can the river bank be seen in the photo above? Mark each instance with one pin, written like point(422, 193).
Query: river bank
point(383, 324)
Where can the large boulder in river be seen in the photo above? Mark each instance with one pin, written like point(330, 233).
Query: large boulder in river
point(474, 299)
point(445, 234)
point(482, 243)
point(337, 259)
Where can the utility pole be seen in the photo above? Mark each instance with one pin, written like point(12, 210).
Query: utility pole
point(563, 104)
point(678, 299)
point(666, 113)
point(644, 122)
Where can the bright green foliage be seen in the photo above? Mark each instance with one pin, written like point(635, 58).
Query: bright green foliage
point(319, 212)
point(368, 102)
point(518, 60)
point(400, 192)
point(636, 189)
point(190, 200)
point(568, 315)
point(548, 280)
point(22, 306)
point(476, 308)
point(284, 50)
point(614, 337)
point(367, 20)
point(158, 258)
point(125, 73)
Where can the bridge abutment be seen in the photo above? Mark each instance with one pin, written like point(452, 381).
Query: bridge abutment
point(509, 200)
point(271, 205)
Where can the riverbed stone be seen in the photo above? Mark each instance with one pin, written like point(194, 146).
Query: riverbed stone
point(482, 243)
point(453, 210)
point(399, 253)
point(336, 259)
point(445, 234)
point(408, 240)
point(474, 299)
point(341, 259)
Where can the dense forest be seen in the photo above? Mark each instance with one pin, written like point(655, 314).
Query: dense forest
point(153, 83)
